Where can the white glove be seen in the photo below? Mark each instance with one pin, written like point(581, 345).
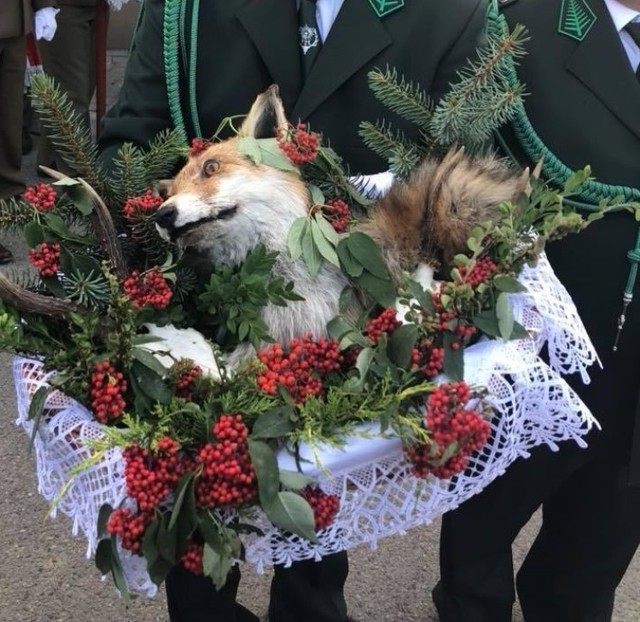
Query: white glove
point(45, 23)
point(373, 186)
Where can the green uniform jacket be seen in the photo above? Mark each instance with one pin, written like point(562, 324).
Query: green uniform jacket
point(584, 102)
point(16, 16)
point(246, 45)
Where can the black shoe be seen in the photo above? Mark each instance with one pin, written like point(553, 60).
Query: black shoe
point(6, 256)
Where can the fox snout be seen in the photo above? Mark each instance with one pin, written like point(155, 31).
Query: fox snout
point(166, 216)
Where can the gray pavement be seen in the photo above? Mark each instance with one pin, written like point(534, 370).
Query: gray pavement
point(45, 576)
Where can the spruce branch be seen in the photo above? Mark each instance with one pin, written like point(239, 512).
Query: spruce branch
point(382, 139)
point(29, 302)
point(129, 176)
point(67, 131)
point(164, 154)
point(14, 214)
point(404, 98)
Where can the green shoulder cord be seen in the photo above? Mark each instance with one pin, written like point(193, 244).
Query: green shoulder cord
point(175, 45)
point(553, 169)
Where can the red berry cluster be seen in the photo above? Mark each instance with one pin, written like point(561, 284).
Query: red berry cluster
point(148, 288)
point(442, 317)
point(135, 207)
point(191, 560)
point(298, 144)
point(188, 374)
point(130, 527)
point(433, 360)
point(301, 370)
point(46, 258)
point(338, 213)
point(386, 322)
point(107, 389)
point(151, 475)
point(450, 422)
point(324, 506)
point(481, 271)
point(198, 145)
point(41, 196)
point(227, 479)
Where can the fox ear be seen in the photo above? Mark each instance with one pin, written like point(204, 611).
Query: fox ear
point(266, 114)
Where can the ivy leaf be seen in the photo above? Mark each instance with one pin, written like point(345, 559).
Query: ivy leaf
point(265, 464)
point(294, 237)
point(508, 284)
point(292, 513)
point(504, 312)
point(275, 423)
point(367, 253)
point(401, 344)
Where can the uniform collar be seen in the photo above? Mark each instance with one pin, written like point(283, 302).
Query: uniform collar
point(621, 14)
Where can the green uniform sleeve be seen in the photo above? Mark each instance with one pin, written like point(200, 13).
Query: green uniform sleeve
point(142, 109)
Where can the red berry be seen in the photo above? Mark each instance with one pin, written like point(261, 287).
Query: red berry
point(107, 389)
point(148, 288)
point(298, 144)
point(136, 208)
point(46, 257)
point(198, 145)
point(41, 196)
point(324, 506)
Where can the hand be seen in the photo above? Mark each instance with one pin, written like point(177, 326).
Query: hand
point(373, 186)
point(45, 23)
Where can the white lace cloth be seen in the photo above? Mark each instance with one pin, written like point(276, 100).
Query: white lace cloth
point(378, 495)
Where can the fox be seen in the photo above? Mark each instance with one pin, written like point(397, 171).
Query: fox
point(224, 204)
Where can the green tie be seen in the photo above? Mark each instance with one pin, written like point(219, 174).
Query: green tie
point(308, 35)
point(633, 28)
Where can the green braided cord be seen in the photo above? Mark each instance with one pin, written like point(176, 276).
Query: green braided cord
point(591, 192)
point(171, 64)
point(634, 259)
point(193, 64)
point(183, 38)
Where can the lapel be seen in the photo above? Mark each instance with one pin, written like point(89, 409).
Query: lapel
point(601, 64)
point(272, 25)
point(354, 39)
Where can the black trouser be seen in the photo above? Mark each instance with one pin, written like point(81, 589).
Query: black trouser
point(589, 534)
point(305, 592)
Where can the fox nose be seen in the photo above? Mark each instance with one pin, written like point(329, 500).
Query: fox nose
point(166, 215)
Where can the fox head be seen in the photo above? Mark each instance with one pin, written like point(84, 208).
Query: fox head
point(225, 204)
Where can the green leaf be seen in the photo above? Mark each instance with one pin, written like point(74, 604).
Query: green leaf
point(453, 359)
point(85, 265)
point(347, 299)
point(149, 544)
point(103, 518)
point(60, 228)
point(367, 253)
point(33, 234)
point(504, 312)
point(159, 570)
point(317, 198)
point(424, 299)
point(401, 344)
point(364, 360)
point(294, 480)
point(273, 156)
point(166, 539)
point(216, 566)
point(327, 230)
point(310, 253)
point(276, 423)
point(323, 245)
point(148, 360)
point(382, 291)
point(250, 147)
point(348, 262)
point(508, 284)
point(150, 383)
point(265, 464)
point(294, 237)
point(292, 513)
point(185, 487)
point(78, 194)
point(487, 323)
point(103, 556)
point(38, 401)
point(519, 332)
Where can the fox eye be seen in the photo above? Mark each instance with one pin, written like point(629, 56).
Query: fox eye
point(210, 167)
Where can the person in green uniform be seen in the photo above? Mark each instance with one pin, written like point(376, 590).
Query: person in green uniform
point(193, 64)
point(583, 107)
point(16, 21)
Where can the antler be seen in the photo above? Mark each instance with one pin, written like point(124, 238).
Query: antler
point(30, 302)
point(102, 224)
